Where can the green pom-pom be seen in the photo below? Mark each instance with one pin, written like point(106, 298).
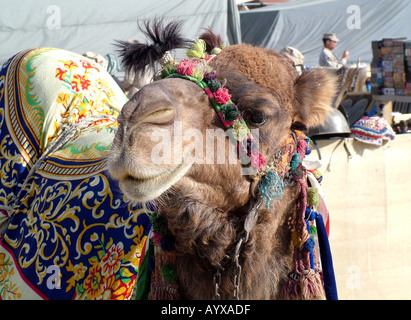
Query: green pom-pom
point(230, 112)
point(313, 230)
point(168, 69)
point(313, 198)
point(197, 49)
point(169, 273)
point(159, 222)
point(214, 85)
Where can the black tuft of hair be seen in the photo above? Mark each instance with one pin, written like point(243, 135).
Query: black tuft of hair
point(136, 56)
point(211, 39)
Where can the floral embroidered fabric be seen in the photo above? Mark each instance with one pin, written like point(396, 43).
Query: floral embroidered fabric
point(67, 232)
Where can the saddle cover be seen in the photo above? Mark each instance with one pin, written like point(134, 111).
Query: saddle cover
point(67, 231)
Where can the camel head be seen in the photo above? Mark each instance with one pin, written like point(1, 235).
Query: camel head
point(166, 129)
point(172, 148)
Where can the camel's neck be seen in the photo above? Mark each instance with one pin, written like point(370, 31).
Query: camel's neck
point(211, 249)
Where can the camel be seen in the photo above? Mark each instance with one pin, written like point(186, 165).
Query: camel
point(217, 233)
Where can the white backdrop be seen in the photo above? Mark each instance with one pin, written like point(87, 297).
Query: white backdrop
point(93, 25)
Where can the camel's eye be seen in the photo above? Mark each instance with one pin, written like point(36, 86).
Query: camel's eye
point(255, 117)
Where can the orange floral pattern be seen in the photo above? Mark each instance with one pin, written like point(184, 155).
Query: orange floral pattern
point(88, 94)
point(108, 277)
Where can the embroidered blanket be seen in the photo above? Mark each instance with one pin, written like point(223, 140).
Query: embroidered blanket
point(67, 231)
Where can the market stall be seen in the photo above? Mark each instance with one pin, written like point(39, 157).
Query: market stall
point(366, 170)
point(367, 191)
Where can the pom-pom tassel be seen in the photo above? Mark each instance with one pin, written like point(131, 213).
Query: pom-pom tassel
point(164, 279)
point(295, 161)
point(313, 198)
point(197, 49)
point(311, 286)
point(291, 289)
point(271, 186)
point(305, 286)
point(159, 223)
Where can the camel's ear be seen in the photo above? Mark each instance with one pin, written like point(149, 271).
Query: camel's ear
point(314, 94)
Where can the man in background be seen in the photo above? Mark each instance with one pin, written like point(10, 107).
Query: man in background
point(327, 57)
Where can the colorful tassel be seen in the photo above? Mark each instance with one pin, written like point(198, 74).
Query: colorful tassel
point(330, 286)
point(271, 187)
point(214, 85)
point(313, 198)
point(197, 74)
point(311, 286)
point(221, 96)
point(169, 272)
point(197, 49)
point(159, 223)
point(216, 51)
point(185, 67)
point(167, 243)
point(292, 289)
point(168, 69)
point(230, 112)
point(309, 244)
point(295, 161)
point(210, 75)
point(307, 148)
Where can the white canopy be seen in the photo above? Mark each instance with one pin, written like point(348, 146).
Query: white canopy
point(93, 25)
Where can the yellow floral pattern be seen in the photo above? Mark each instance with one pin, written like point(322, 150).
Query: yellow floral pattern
point(8, 289)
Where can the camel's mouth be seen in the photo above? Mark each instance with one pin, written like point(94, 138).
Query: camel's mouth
point(147, 188)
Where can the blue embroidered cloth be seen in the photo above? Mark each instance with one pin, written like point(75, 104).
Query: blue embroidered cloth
point(67, 231)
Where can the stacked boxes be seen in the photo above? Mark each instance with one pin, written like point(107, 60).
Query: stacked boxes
point(391, 67)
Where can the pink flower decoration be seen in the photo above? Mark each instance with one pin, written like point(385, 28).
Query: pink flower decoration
point(261, 160)
point(254, 159)
point(221, 96)
point(257, 159)
point(185, 67)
